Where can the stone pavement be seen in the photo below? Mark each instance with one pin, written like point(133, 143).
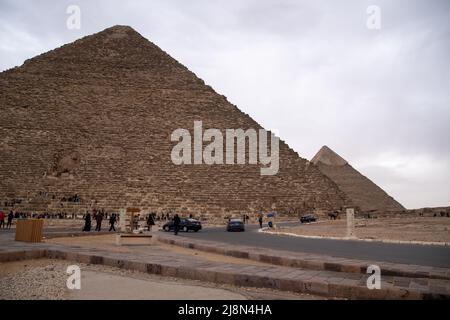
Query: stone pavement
point(155, 260)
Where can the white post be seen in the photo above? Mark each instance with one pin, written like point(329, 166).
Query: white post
point(350, 212)
point(123, 220)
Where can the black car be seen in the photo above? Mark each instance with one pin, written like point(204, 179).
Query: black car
point(308, 218)
point(185, 225)
point(235, 225)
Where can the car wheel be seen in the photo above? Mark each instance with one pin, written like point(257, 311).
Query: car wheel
point(196, 230)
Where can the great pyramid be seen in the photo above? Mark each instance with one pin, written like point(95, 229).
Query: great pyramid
point(361, 191)
point(93, 118)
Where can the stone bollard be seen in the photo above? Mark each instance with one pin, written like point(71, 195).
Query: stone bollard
point(350, 213)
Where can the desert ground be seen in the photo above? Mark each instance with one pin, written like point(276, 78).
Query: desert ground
point(424, 229)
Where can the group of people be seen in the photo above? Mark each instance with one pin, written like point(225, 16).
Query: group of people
point(98, 217)
point(74, 198)
point(6, 220)
point(161, 217)
point(9, 218)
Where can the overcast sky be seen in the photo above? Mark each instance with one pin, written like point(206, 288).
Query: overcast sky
point(313, 70)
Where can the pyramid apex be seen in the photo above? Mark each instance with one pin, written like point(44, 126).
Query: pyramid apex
point(328, 157)
point(120, 28)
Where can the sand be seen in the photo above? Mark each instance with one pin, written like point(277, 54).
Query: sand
point(425, 229)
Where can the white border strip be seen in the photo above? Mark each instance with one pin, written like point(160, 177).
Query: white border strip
point(425, 243)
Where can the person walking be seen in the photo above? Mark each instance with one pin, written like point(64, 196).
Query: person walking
point(99, 219)
point(176, 224)
point(2, 219)
point(260, 220)
point(10, 219)
point(112, 222)
point(150, 222)
point(87, 222)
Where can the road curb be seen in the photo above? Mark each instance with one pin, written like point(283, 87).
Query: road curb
point(248, 276)
point(307, 261)
point(423, 243)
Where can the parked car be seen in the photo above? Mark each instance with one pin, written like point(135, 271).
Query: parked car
point(235, 225)
point(308, 218)
point(185, 225)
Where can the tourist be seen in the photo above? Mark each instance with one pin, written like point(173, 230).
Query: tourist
point(150, 222)
point(10, 219)
point(112, 221)
point(98, 219)
point(260, 220)
point(87, 222)
point(2, 219)
point(176, 223)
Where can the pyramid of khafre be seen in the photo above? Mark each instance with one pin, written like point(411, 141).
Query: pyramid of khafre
point(94, 119)
point(361, 191)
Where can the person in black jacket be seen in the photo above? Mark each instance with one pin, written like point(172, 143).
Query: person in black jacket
point(112, 222)
point(98, 219)
point(150, 222)
point(176, 223)
point(10, 219)
point(87, 222)
point(260, 220)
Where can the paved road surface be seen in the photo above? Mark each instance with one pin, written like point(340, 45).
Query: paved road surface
point(437, 256)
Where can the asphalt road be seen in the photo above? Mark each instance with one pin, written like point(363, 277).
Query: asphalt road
point(426, 255)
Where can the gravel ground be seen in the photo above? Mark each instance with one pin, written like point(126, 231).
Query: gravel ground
point(45, 279)
point(33, 279)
